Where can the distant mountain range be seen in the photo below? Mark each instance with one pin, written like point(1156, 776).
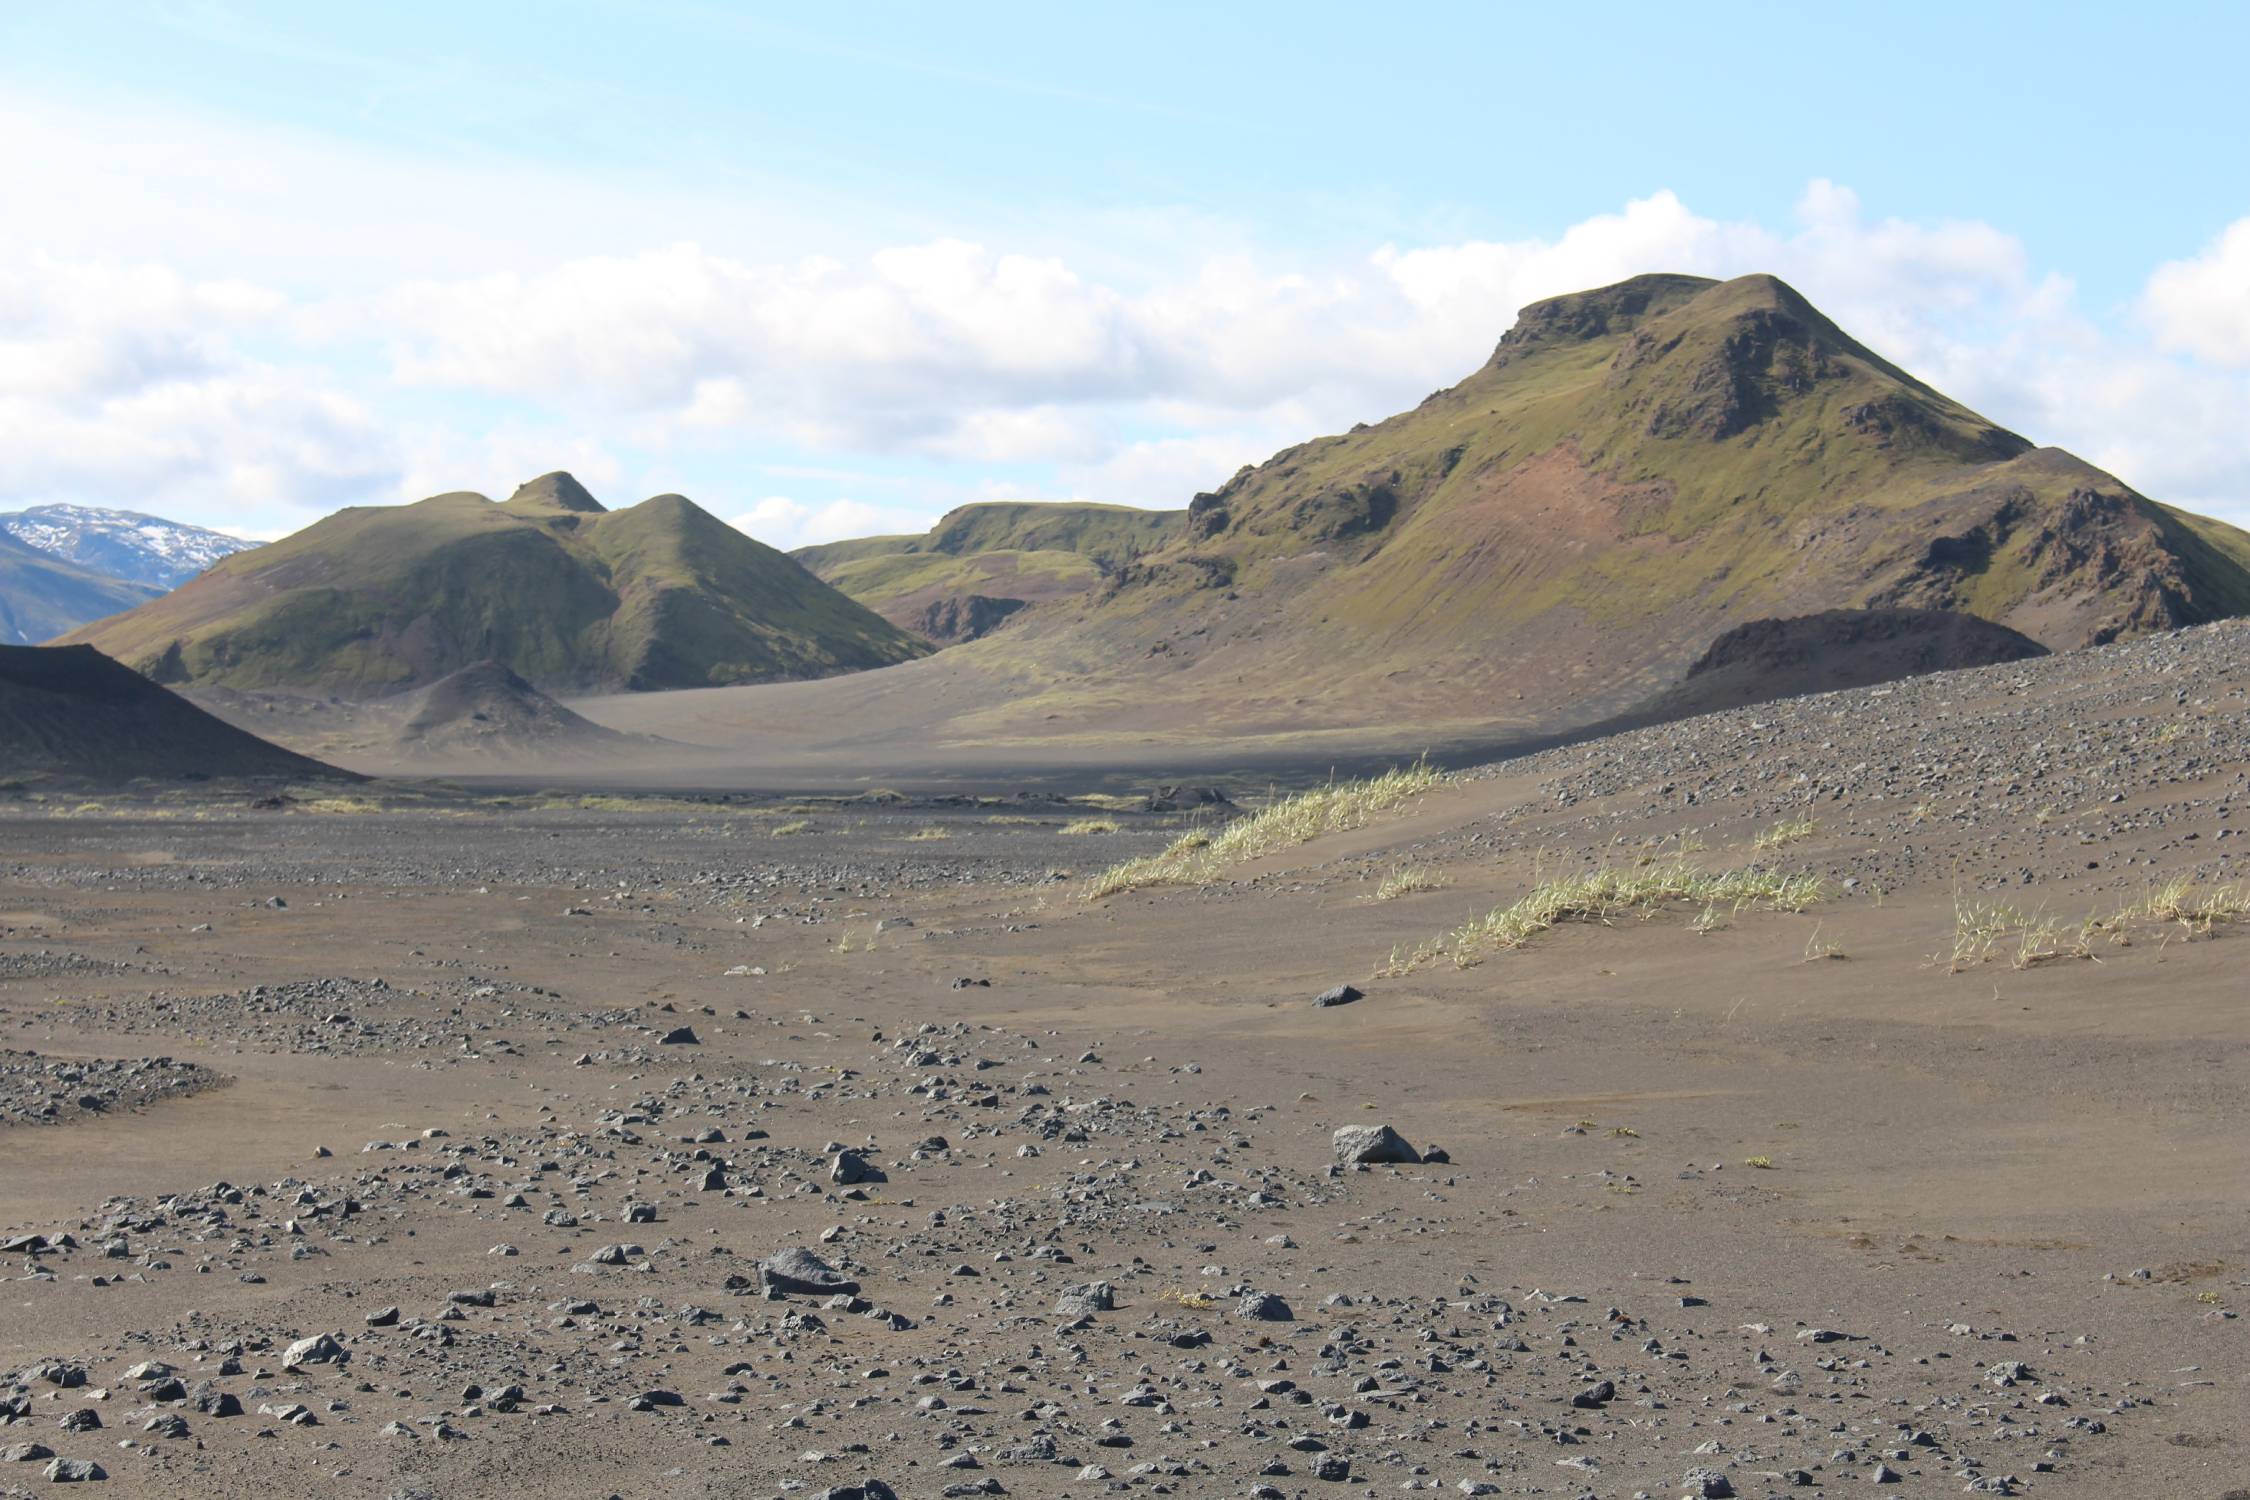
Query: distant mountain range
point(63, 566)
point(982, 563)
point(1636, 471)
point(41, 597)
point(549, 585)
point(122, 544)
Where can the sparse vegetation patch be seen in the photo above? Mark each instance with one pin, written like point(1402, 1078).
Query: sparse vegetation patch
point(1405, 881)
point(1607, 894)
point(1198, 856)
point(1786, 832)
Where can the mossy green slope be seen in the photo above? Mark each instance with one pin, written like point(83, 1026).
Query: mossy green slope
point(1635, 470)
point(378, 599)
point(1008, 553)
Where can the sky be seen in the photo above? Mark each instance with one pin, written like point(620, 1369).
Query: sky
point(833, 274)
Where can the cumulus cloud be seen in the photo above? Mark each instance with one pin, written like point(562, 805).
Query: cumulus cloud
point(225, 387)
point(782, 522)
point(2201, 306)
point(124, 384)
point(494, 461)
point(960, 351)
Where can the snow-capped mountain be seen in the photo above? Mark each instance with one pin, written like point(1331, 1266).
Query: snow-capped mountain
point(121, 543)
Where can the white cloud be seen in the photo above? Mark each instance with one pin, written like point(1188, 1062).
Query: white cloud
point(1165, 473)
point(303, 336)
point(781, 522)
point(494, 462)
point(956, 351)
point(2201, 306)
point(327, 217)
point(123, 384)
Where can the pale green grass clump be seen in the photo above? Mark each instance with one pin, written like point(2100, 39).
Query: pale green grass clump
point(1406, 880)
point(790, 829)
point(1979, 927)
point(928, 835)
point(341, 807)
point(1197, 857)
point(1606, 894)
point(2179, 901)
point(1786, 832)
point(1090, 825)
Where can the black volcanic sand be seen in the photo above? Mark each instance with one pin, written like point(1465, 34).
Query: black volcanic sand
point(520, 1093)
point(69, 712)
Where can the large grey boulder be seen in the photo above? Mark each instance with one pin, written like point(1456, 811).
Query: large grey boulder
point(1373, 1145)
point(319, 1349)
point(1084, 1301)
point(799, 1271)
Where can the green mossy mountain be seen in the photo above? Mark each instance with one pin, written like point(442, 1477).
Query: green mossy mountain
point(375, 600)
point(1635, 470)
point(982, 563)
point(42, 597)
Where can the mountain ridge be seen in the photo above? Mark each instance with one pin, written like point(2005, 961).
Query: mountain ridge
point(984, 562)
point(1634, 471)
point(43, 596)
point(129, 545)
point(376, 600)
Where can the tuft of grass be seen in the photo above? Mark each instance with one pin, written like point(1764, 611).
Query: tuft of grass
point(1980, 927)
point(1608, 893)
point(1182, 1298)
point(792, 828)
point(1197, 857)
point(1090, 825)
point(928, 835)
point(1762, 1163)
point(1816, 951)
point(1407, 880)
point(2178, 901)
point(1784, 833)
point(342, 807)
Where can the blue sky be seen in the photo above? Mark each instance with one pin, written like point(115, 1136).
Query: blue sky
point(835, 272)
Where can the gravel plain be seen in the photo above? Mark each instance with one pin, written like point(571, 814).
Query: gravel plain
point(460, 1144)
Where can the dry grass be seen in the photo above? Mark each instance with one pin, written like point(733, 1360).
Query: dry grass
point(791, 829)
point(1089, 825)
point(1788, 831)
point(1981, 928)
point(1978, 927)
point(1607, 894)
point(1406, 880)
point(928, 835)
point(1819, 951)
point(1197, 857)
point(2178, 901)
point(340, 807)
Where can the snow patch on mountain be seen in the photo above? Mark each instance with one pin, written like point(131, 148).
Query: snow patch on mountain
point(122, 543)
